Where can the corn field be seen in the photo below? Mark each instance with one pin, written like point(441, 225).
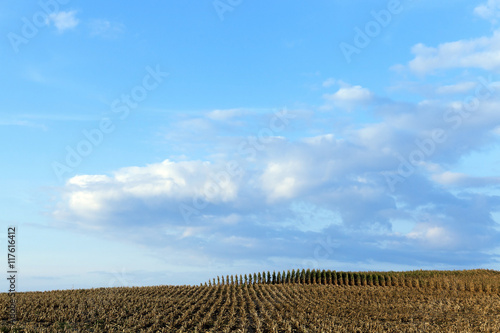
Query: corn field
point(466, 280)
point(316, 301)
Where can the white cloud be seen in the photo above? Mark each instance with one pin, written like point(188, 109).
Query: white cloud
point(240, 241)
point(458, 88)
point(340, 170)
point(316, 140)
point(224, 114)
point(348, 97)
point(84, 181)
point(280, 180)
point(483, 53)
point(64, 20)
point(353, 94)
point(329, 82)
point(192, 232)
point(22, 123)
point(457, 179)
point(92, 196)
point(489, 10)
point(105, 28)
point(231, 219)
point(449, 178)
point(433, 235)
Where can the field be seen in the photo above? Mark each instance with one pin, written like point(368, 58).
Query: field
point(419, 301)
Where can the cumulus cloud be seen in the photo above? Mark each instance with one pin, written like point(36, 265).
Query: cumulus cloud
point(261, 207)
point(279, 195)
point(482, 53)
point(280, 180)
point(64, 20)
point(434, 235)
point(489, 10)
point(97, 196)
point(348, 97)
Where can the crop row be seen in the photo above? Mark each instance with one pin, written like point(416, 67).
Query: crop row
point(256, 308)
point(425, 302)
point(477, 280)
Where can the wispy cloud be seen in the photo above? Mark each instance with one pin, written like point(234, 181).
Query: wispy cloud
point(22, 123)
point(489, 10)
point(105, 28)
point(457, 88)
point(457, 179)
point(225, 114)
point(64, 20)
point(329, 82)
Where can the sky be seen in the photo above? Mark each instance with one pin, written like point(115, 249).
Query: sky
point(169, 142)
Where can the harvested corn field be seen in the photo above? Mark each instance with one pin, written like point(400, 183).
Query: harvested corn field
point(467, 301)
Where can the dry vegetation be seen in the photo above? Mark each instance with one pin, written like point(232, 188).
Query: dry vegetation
point(420, 301)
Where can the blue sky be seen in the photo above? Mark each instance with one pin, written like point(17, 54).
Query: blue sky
point(169, 142)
